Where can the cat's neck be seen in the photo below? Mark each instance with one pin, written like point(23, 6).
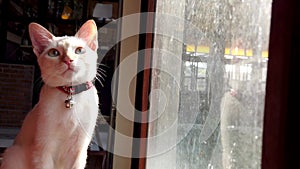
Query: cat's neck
point(76, 89)
point(65, 95)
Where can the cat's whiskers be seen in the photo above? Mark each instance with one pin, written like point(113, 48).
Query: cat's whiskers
point(99, 80)
point(101, 74)
point(101, 64)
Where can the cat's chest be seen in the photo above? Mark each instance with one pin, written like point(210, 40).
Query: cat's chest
point(53, 110)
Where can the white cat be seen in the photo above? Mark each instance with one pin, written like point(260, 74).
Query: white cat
point(58, 130)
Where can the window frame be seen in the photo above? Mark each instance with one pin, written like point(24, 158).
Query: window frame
point(280, 147)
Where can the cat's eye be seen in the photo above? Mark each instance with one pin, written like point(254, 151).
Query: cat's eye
point(79, 50)
point(53, 53)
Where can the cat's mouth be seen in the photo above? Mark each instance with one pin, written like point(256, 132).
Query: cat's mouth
point(70, 70)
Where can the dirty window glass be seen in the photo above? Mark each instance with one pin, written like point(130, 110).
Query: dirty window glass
point(208, 84)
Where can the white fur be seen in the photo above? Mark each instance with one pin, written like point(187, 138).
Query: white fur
point(53, 136)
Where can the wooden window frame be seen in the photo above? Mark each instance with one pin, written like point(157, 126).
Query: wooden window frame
point(280, 145)
point(143, 83)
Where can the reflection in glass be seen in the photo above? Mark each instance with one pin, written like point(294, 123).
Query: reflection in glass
point(213, 118)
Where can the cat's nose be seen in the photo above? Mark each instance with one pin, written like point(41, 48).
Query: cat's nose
point(68, 60)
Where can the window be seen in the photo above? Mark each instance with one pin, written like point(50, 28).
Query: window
point(208, 84)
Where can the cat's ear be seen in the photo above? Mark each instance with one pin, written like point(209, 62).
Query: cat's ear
point(88, 32)
point(40, 37)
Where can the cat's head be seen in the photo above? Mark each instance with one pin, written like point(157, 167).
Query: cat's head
point(67, 60)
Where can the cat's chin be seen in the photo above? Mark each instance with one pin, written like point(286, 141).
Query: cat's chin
point(67, 78)
point(71, 73)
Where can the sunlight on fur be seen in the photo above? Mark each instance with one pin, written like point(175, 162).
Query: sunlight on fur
point(54, 136)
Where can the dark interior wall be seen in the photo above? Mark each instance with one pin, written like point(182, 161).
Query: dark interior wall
point(16, 85)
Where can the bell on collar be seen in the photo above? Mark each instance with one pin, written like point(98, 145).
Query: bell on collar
point(69, 102)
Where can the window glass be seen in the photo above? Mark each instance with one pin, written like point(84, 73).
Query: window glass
point(208, 85)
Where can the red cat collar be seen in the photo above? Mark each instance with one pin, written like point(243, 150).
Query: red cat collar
point(72, 90)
